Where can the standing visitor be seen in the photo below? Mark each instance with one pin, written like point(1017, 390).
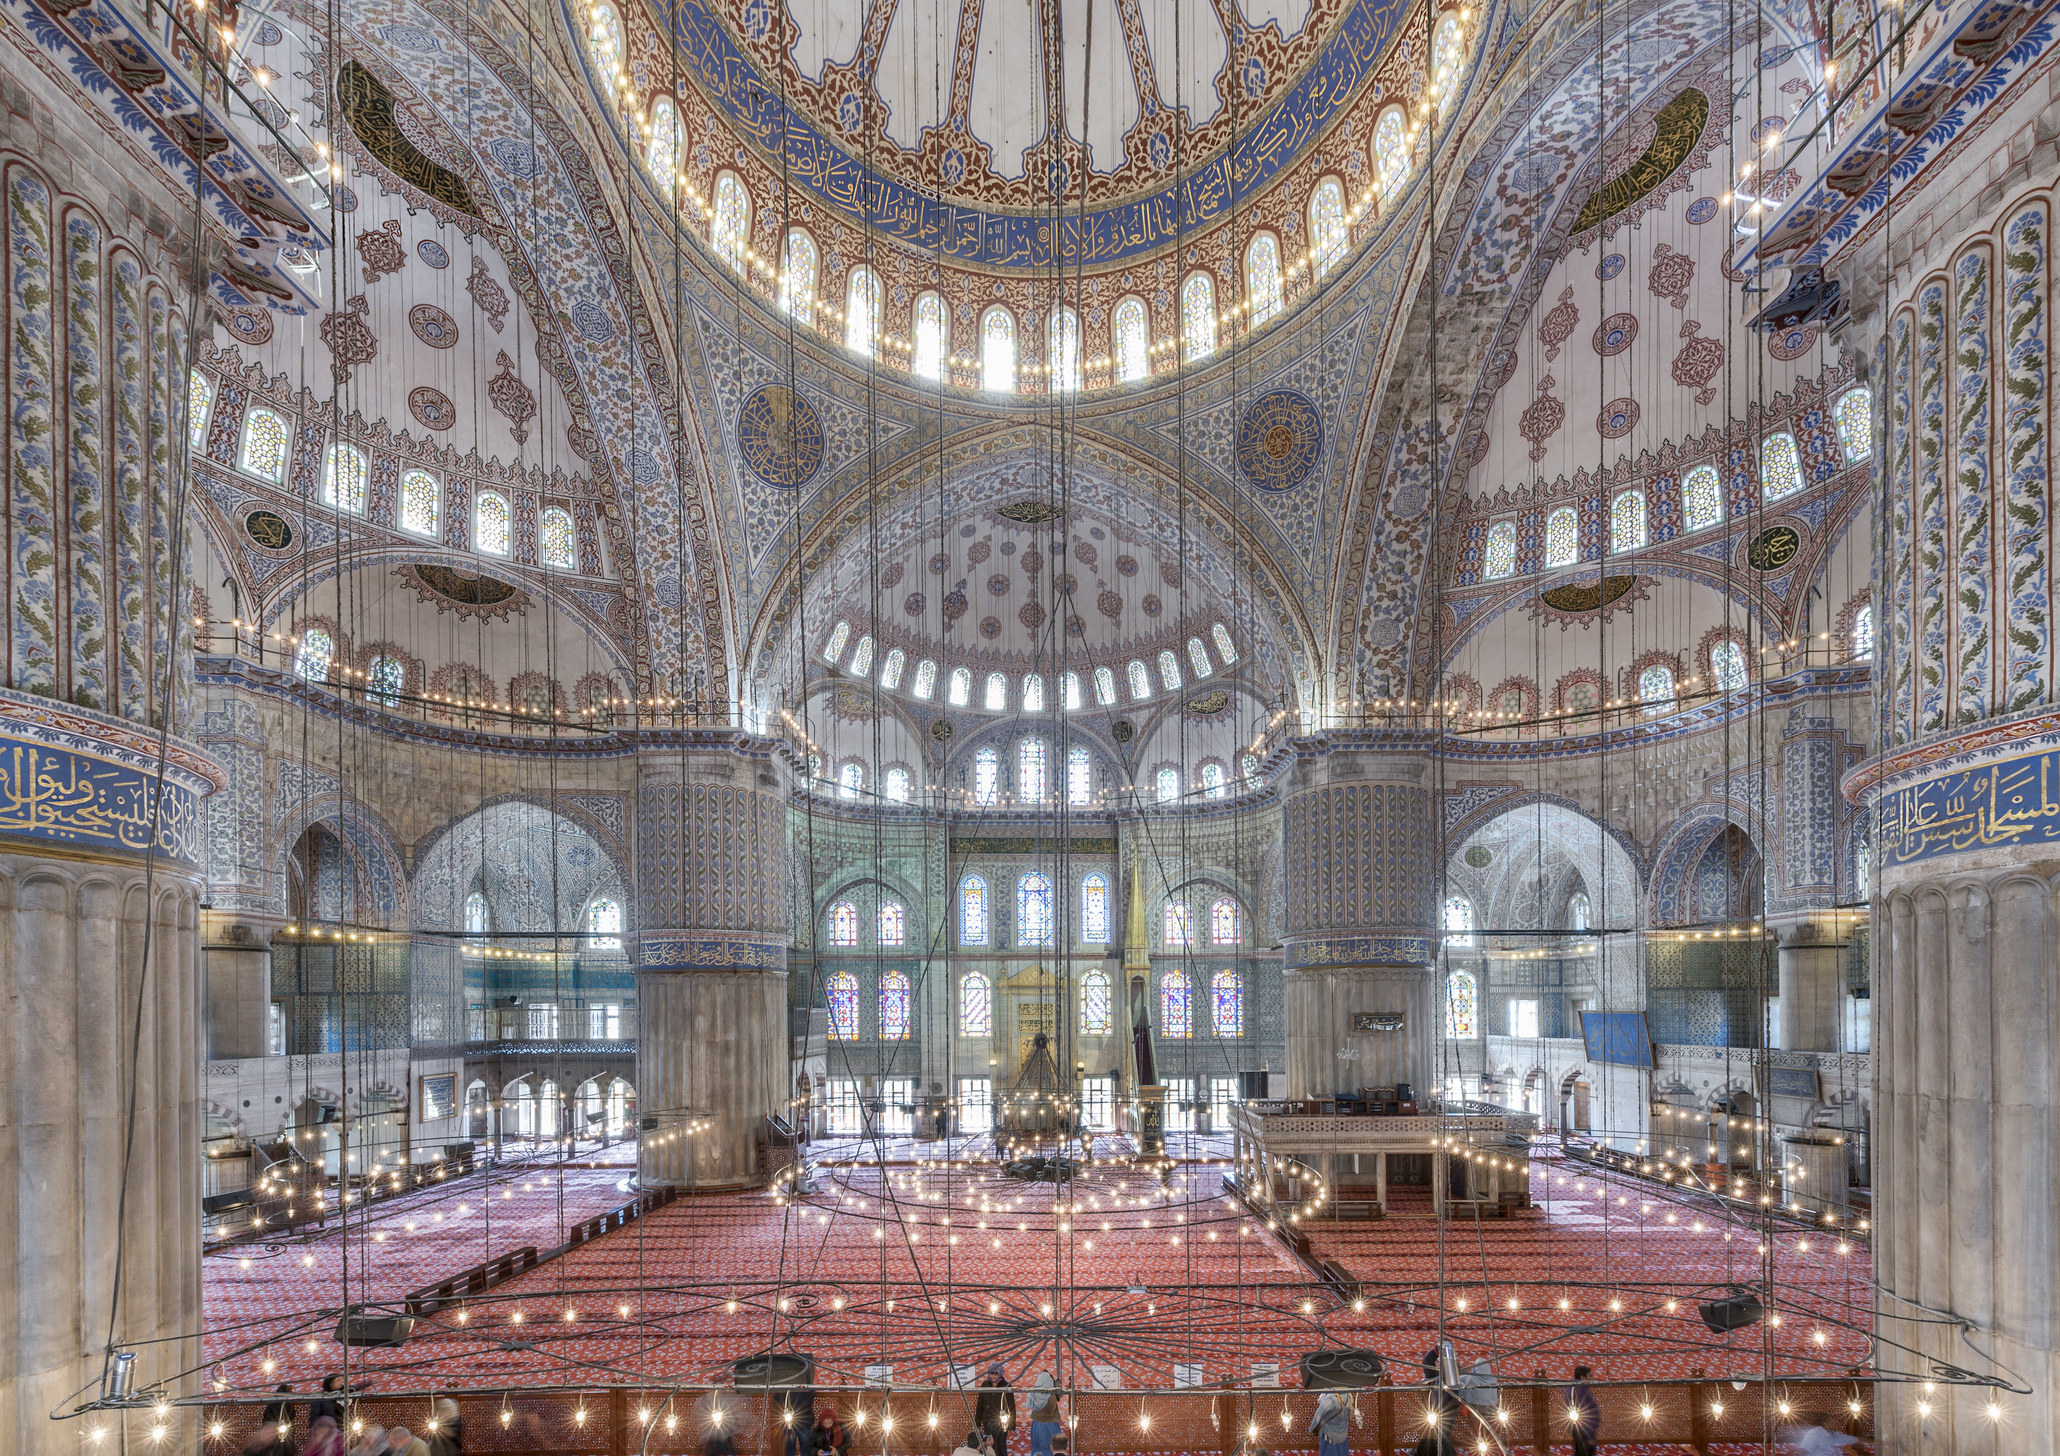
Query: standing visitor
point(996, 1410)
point(1583, 1415)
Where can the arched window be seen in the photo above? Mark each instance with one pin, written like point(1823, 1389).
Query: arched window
point(1133, 341)
point(558, 548)
point(1702, 498)
point(862, 656)
point(893, 928)
point(1327, 237)
point(1861, 865)
point(662, 152)
point(1390, 150)
point(199, 396)
point(1780, 466)
point(343, 479)
point(490, 523)
point(1462, 1005)
point(1033, 910)
point(987, 777)
point(1180, 924)
point(1854, 414)
point(841, 991)
point(1064, 350)
point(1248, 769)
point(926, 679)
point(815, 765)
point(1096, 1008)
point(933, 336)
point(1198, 657)
point(1105, 687)
point(890, 670)
point(1727, 666)
point(730, 231)
point(604, 925)
point(998, 351)
point(1227, 1003)
point(1220, 635)
point(850, 779)
point(1262, 277)
point(833, 649)
point(894, 1007)
point(1169, 784)
point(1500, 559)
point(975, 1005)
point(1030, 771)
point(265, 433)
point(1224, 927)
point(1656, 689)
point(475, 914)
point(961, 690)
point(1140, 685)
point(861, 311)
point(797, 276)
point(1215, 784)
point(421, 503)
point(1448, 56)
point(1094, 909)
point(1198, 317)
point(604, 35)
point(1033, 692)
point(997, 698)
point(1176, 1006)
point(1863, 631)
point(1079, 777)
point(972, 911)
point(1169, 670)
point(897, 785)
point(1069, 692)
point(1562, 537)
point(311, 661)
point(1458, 921)
point(843, 923)
point(385, 680)
point(1578, 913)
point(1627, 521)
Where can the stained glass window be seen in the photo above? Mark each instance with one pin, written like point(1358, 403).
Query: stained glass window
point(1140, 685)
point(1702, 498)
point(1501, 555)
point(1214, 783)
point(1094, 910)
point(1227, 1003)
point(385, 680)
point(1462, 1005)
point(475, 914)
point(1225, 649)
point(265, 434)
point(662, 152)
point(862, 656)
point(1224, 928)
point(1562, 537)
point(932, 336)
point(1627, 521)
point(1069, 692)
point(558, 547)
point(797, 278)
point(890, 668)
point(421, 503)
point(311, 661)
point(1198, 656)
point(1033, 692)
point(975, 1005)
point(893, 929)
point(861, 311)
point(987, 777)
point(1169, 670)
point(926, 679)
point(1862, 861)
point(1169, 784)
point(841, 990)
point(604, 34)
point(1176, 1006)
point(1327, 237)
point(1033, 910)
point(843, 923)
point(1391, 150)
point(1079, 776)
point(815, 765)
point(1854, 415)
point(1198, 317)
point(1133, 341)
point(1248, 769)
point(200, 394)
point(1180, 924)
point(1458, 920)
point(997, 692)
point(1262, 277)
point(730, 232)
point(897, 785)
point(894, 1007)
point(1063, 345)
point(1656, 689)
point(1030, 770)
point(1096, 1009)
point(343, 479)
point(850, 779)
point(998, 351)
point(1577, 911)
point(1727, 666)
point(490, 523)
point(604, 925)
point(1105, 687)
point(1863, 632)
point(961, 691)
point(834, 648)
point(1447, 57)
point(972, 911)
point(1780, 466)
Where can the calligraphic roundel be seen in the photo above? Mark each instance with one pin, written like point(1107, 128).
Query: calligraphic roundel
point(781, 436)
point(1280, 440)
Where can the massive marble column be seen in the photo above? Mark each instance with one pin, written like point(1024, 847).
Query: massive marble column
point(713, 886)
point(1361, 874)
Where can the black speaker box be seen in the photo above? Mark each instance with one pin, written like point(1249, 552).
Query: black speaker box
point(1725, 1315)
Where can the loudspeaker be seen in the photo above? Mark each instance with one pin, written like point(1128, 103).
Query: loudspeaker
point(377, 1330)
point(787, 1369)
point(1725, 1315)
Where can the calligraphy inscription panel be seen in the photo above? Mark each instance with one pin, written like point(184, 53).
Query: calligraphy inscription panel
point(66, 798)
point(2013, 802)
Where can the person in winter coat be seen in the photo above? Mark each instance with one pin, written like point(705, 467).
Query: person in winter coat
point(827, 1437)
point(1046, 1420)
point(324, 1438)
point(1332, 1424)
point(446, 1432)
point(1583, 1415)
point(995, 1412)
